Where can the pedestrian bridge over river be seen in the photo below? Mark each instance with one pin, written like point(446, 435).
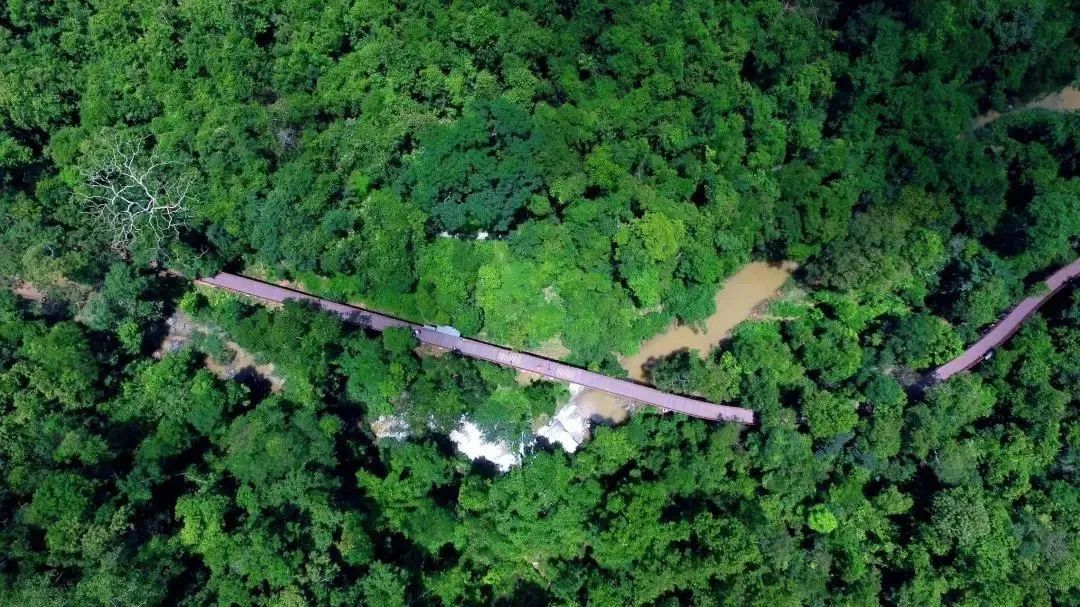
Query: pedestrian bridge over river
point(478, 349)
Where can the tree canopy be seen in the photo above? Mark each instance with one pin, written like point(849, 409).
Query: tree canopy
point(545, 174)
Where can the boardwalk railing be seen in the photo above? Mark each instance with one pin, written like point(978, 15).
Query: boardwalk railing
point(1008, 325)
point(485, 351)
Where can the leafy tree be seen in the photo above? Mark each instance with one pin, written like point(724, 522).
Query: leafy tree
point(829, 414)
point(820, 519)
point(922, 340)
point(122, 305)
point(480, 172)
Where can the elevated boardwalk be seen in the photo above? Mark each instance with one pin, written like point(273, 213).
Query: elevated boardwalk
point(485, 351)
point(1008, 325)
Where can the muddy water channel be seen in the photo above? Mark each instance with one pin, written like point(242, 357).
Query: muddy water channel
point(602, 407)
point(740, 296)
point(1065, 100)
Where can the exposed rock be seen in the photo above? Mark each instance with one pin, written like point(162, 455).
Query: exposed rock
point(390, 426)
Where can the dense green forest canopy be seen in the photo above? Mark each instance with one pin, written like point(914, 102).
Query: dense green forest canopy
point(539, 173)
point(621, 158)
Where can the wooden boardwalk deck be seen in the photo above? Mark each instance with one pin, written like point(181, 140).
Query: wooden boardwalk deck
point(1008, 325)
point(485, 351)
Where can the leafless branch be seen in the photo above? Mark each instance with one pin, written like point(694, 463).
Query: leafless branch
point(134, 196)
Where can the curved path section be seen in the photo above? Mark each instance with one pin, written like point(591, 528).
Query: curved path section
point(1009, 325)
point(485, 351)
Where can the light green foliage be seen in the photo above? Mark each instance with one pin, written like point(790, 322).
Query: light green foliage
point(829, 414)
point(384, 587)
point(985, 286)
point(516, 526)
point(391, 232)
point(371, 381)
point(301, 345)
point(60, 506)
point(957, 463)
point(646, 255)
point(516, 302)
point(834, 352)
point(961, 515)
point(404, 494)
point(59, 365)
point(448, 269)
point(882, 434)
point(821, 519)
point(948, 409)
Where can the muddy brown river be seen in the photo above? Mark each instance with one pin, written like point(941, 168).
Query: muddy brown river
point(603, 407)
point(1065, 100)
point(740, 296)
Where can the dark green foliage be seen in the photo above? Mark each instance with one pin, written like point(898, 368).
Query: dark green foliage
point(122, 305)
point(484, 169)
point(267, 499)
point(922, 340)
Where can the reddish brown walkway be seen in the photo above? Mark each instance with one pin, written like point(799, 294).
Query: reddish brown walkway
point(485, 351)
point(1009, 325)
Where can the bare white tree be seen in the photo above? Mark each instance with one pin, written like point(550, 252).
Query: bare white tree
point(134, 195)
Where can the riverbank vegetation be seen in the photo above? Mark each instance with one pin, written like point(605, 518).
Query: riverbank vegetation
point(531, 172)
